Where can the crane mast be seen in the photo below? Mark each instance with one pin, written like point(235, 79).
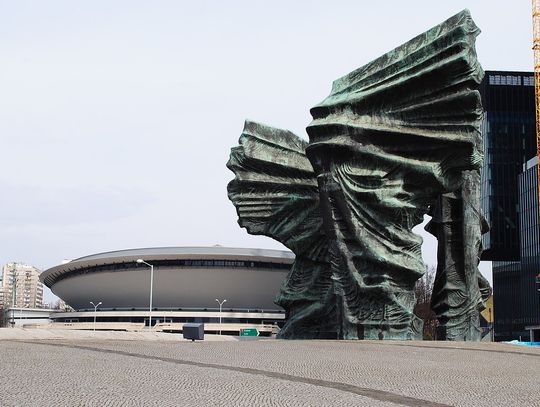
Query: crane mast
point(536, 48)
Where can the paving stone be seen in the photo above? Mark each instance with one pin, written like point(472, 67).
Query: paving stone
point(68, 372)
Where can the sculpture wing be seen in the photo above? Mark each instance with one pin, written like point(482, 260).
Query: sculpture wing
point(418, 104)
point(390, 138)
point(397, 133)
point(275, 193)
point(275, 190)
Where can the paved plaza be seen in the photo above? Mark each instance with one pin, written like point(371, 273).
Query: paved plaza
point(113, 369)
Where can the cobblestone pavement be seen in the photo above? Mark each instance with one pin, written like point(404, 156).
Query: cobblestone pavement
point(266, 373)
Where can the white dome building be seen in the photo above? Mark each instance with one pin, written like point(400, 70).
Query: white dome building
point(187, 281)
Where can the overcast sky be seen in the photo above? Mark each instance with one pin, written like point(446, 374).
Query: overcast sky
point(117, 117)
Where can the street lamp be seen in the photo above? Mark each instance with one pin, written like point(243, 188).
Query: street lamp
point(492, 334)
point(220, 305)
point(95, 312)
point(141, 261)
point(14, 294)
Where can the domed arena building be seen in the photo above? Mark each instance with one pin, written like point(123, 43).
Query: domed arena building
point(190, 284)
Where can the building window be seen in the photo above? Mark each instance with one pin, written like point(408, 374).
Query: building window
point(510, 80)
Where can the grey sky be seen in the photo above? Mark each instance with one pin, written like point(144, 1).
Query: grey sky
point(117, 117)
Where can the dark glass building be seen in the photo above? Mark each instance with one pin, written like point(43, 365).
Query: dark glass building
point(509, 131)
point(507, 302)
point(529, 223)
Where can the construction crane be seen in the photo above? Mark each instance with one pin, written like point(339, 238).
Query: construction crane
point(536, 48)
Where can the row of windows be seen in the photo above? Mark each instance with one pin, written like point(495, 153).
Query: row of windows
point(511, 80)
point(507, 134)
point(506, 299)
point(159, 319)
point(217, 263)
point(170, 264)
point(508, 103)
point(520, 120)
point(514, 286)
point(529, 221)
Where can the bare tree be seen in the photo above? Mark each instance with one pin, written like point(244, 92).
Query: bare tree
point(422, 309)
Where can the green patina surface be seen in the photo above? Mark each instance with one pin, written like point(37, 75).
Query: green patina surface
point(396, 139)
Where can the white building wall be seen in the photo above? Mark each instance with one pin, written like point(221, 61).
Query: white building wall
point(21, 286)
point(26, 316)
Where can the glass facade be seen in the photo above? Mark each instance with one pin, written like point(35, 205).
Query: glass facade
point(509, 141)
point(529, 221)
point(509, 199)
point(507, 300)
point(516, 300)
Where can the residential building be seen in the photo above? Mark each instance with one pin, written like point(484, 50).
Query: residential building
point(21, 286)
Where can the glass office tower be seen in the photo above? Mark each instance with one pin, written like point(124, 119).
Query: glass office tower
point(509, 132)
point(529, 222)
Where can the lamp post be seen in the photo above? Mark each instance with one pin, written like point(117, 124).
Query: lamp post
point(492, 335)
point(220, 305)
point(141, 261)
point(14, 294)
point(95, 312)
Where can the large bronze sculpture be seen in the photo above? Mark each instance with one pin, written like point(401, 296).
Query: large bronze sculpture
point(396, 139)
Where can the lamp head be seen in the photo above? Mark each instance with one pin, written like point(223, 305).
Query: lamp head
point(140, 261)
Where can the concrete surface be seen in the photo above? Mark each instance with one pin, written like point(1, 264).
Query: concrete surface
point(133, 369)
point(65, 334)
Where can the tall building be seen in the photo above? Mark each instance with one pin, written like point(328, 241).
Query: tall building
point(21, 286)
point(509, 131)
point(1, 291)
point(529, 223)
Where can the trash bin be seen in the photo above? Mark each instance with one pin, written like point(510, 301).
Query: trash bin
point(193, 331)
